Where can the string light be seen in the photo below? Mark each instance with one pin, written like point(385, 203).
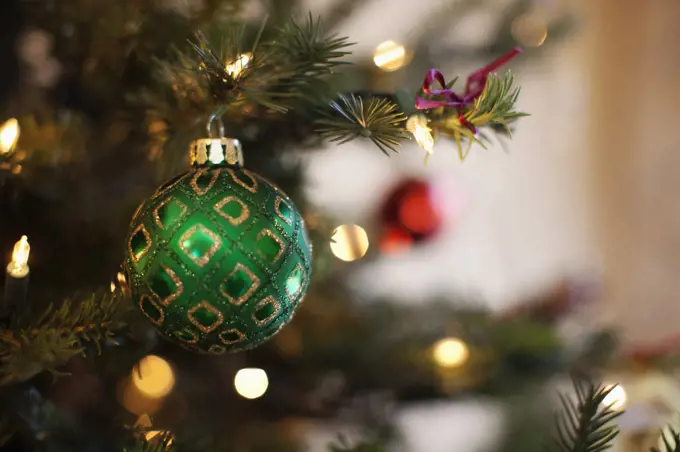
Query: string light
point(417, 125)
point(144, 422)
point(18, 266)
point(113, 287)
point(153, 377)
point(251, 383)
point(236, 67)
point(151, 434)
point(390, 56)
point(9, 135)
point(616, 399)
point(450, 352)
point(349, 242)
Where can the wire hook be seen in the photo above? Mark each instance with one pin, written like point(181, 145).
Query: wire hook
point(220, 125)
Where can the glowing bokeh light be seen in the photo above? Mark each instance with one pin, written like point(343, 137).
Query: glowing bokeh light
point(450, 352)
point(251, 383)
point(349, 242)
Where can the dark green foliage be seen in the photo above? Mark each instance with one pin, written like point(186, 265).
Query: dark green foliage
point(307, 51)
point(350, 117)
point(285, 71)
point(288, 73)
point(671, 441)
point(585, 424)
point(59, 334)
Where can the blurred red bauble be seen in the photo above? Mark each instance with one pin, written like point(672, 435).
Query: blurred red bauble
point(410, 215)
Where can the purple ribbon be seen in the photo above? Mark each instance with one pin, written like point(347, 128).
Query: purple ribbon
point(474, 87)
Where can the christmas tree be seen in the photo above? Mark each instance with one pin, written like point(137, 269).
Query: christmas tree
point(103, 104)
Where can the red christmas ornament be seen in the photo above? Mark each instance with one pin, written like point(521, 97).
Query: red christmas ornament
point(410, 215)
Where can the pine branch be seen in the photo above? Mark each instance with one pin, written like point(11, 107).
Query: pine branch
point(493, 109)
point(308, 51)
point(288, 68)
point(671, 441)
point(496, 105)
point(163, 442)
point(377, 119)
point(584, 425)
point(60, 334)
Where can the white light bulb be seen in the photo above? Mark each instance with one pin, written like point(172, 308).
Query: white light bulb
point(417, 125)
point(18, 266)
point(251, 383)
point(9, 135)
point(450, 352)
point(236, 67)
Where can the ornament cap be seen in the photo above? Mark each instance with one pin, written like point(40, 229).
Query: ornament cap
point(214, 151)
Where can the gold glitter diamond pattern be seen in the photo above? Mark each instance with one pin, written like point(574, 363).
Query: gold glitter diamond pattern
point(255, 283)
point(294, 295)
point(139, 209)
point(188, 332)
point(262, 303)
point(178, 283)
point(277, 209)
point(252, 187)
point(216, 349)
point(162, 190)
point(282, 246)
point(233, 220)
point(210, 308)
point(194, 181)
point(156, 211)
point(148, 243)
point(205, 258)
point(157, 322)
point(225, 341)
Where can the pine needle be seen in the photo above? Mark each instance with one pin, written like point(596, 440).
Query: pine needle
point(351, 117)
point(308, 50)
point(60, 334)
point(280, 73)
point(494, 110)
point(163, 442)
point(671, 441)
point(496, 104)
point(585, 424)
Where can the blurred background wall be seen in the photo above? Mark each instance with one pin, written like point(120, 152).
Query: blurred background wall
point(634, 107)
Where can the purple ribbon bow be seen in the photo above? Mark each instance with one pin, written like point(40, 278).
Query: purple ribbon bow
point(474, 87)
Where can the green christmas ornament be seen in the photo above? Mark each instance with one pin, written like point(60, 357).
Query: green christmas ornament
point(218, 258)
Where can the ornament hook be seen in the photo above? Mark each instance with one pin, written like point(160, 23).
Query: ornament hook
point(220, 126)
point(216, 150)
